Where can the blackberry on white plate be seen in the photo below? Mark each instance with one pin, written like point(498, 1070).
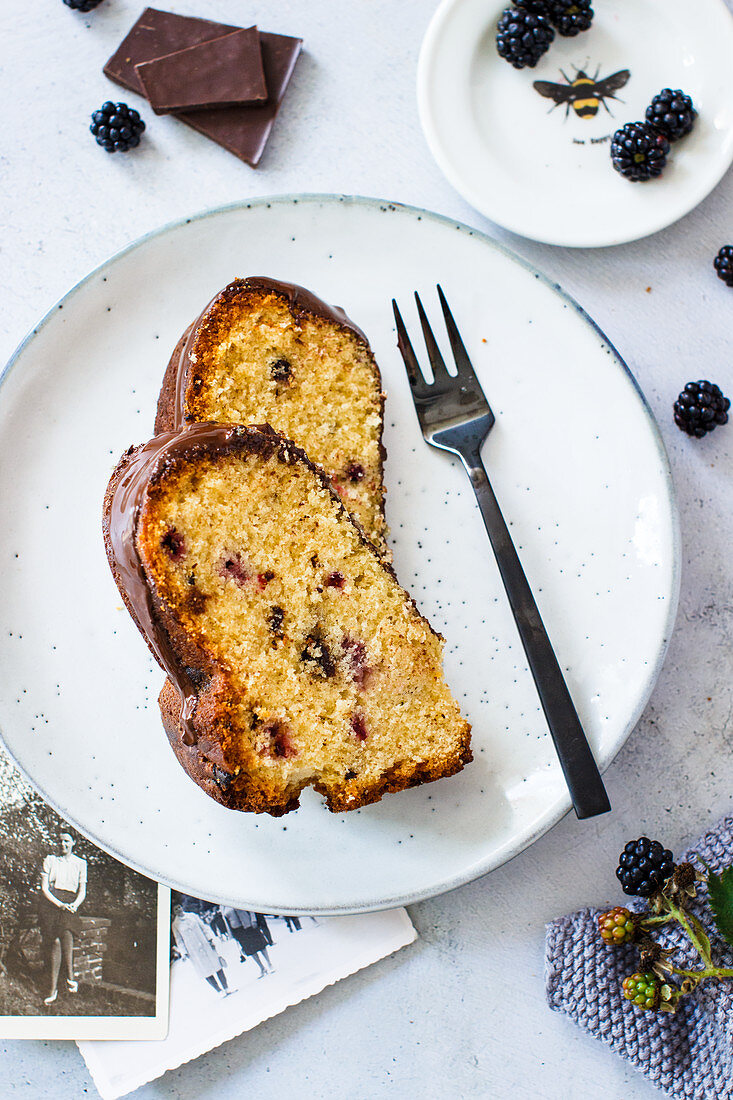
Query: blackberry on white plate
point(570, 17)
point(522, 37)
point(638, 151)
point(672, 113)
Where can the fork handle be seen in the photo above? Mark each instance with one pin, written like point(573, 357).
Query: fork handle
point(576, 759)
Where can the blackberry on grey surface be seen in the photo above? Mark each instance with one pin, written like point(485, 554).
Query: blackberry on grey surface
point(723, 264)
point(700, 408)
point(117, 127)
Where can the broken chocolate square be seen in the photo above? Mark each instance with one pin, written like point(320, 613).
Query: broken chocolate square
point(223, 72)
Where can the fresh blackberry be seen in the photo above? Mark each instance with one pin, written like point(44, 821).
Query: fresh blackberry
point(700, 407)
point(638, 151)
point(539, 7)
point(672, 113)
point(570, 17)
point(117, 127)
point(82, 5)
point(723, 263)
point(643, 867)
point(643, 990)
point(617, 926)
point(522, 37)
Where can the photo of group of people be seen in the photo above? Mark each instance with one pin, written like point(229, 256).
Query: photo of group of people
point(220, 942)
point(231, 969)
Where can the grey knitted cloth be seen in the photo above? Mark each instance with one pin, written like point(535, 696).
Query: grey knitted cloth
point(688, 1054)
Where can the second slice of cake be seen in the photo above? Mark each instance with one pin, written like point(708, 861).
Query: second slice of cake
point(268, 351)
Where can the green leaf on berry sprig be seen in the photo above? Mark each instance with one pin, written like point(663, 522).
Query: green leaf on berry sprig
point(720, 888)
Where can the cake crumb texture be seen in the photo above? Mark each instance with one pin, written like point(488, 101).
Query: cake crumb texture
point(312, 665)
point(257, 354)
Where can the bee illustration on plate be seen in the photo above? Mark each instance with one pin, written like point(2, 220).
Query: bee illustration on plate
point(585, 93)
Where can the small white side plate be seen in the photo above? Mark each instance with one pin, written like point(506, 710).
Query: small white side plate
point(546, 173)
point(577, 465)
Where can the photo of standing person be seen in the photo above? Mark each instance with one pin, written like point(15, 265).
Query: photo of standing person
point(63, 889)
point(264, 927)
point(195, 940)
point(249, 936)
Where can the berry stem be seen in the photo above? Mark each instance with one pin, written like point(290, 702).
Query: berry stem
point(718, 972)
point(664, 918)
point(698, 936)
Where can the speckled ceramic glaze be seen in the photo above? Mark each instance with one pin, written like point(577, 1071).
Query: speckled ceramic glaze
point(577, 464)
point(542, 170)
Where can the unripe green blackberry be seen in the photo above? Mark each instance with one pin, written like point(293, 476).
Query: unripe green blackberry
point(617, 926)
point(643, 990)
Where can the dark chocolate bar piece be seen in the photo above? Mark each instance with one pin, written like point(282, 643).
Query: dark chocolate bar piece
point(223, 72)
point(156, 34)
point(242, 130)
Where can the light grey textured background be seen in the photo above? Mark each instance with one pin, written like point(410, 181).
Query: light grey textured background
point(462, 1012)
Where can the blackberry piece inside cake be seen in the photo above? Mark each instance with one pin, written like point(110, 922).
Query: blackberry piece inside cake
point(296, 657)
point(269, 351)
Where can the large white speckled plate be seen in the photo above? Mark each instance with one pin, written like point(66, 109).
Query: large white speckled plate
point(578, 467)
point(537, 166)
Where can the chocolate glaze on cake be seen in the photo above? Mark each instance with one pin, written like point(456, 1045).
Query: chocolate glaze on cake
point(136, 470)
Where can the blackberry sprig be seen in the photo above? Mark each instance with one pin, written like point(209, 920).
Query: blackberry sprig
point(644, 865)
point(522, 37)
point(647, 869)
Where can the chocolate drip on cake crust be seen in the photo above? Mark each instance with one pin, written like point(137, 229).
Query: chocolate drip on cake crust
point(121, 512)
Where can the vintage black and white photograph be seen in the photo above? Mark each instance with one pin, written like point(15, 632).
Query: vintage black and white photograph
point(231, 969)
point(83, 938)
point(229, 948)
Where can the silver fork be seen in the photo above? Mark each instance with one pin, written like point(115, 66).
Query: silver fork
point(455, 416)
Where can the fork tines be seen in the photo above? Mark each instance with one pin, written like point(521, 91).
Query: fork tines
point(464, 367)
